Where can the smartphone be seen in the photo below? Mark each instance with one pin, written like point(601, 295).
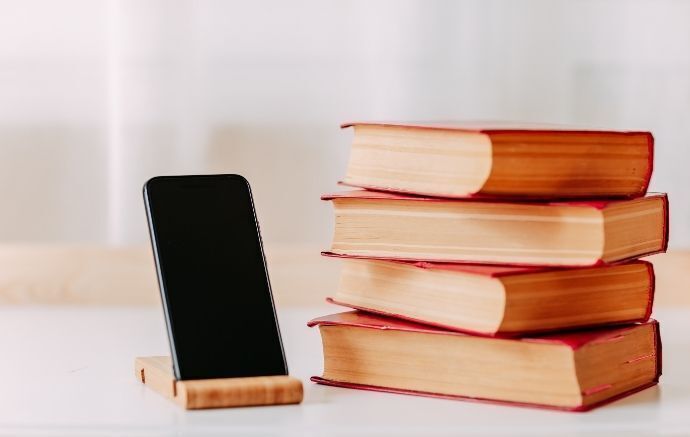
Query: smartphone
point(212, 274)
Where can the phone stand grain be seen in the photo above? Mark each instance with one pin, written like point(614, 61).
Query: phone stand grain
point(156, 373)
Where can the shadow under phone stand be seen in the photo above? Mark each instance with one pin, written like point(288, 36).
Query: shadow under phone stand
point(156, 373)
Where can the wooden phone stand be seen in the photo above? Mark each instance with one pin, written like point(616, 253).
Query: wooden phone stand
point(156, 373)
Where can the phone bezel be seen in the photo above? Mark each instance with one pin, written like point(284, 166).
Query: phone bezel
point(159, 272)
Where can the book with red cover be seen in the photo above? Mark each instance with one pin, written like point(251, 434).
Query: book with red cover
point(371, 224)
point(500, 301)
point(370, 352)
point(452, 159)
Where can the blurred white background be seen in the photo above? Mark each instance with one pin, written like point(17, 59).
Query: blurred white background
point(96, 96)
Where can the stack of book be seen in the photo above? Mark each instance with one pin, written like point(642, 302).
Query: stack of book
point(496, 264)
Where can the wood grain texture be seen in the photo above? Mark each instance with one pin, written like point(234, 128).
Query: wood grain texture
point(104, 275)
point(83, 274)
point(156, 373)
point(107, 275)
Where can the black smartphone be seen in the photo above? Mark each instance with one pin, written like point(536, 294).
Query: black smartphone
point(212, 275)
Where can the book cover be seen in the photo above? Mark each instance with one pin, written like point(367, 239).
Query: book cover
point(573, 340)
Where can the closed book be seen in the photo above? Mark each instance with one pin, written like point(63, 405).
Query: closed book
point(497, 300)
point(460, 159)
point(568, 371)
point(374, 224)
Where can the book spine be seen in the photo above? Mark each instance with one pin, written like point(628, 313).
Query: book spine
point(666, 224)
point(652, 289)
point(658, 351)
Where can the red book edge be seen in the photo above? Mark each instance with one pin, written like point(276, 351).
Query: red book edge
point(573, 340)
point(598, 263)
point(384, 195)
point(483, 127)
point(652, 290)
point(483, 197)
point(497, 130)
point(502, 334)
point(491, 270)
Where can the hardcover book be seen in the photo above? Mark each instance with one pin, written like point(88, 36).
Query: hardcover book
point(568, 371)
point(498, 301)
point(577, 233)
point(458, 160)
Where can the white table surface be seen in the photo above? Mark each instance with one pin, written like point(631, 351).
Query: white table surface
point(69, 371)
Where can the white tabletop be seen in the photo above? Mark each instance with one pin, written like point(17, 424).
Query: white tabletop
point(69, 371)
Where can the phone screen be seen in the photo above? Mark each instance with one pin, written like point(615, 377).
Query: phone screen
point(212, 274)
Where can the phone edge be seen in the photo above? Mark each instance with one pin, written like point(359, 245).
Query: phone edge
point(161, 284)
point(268, 278)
